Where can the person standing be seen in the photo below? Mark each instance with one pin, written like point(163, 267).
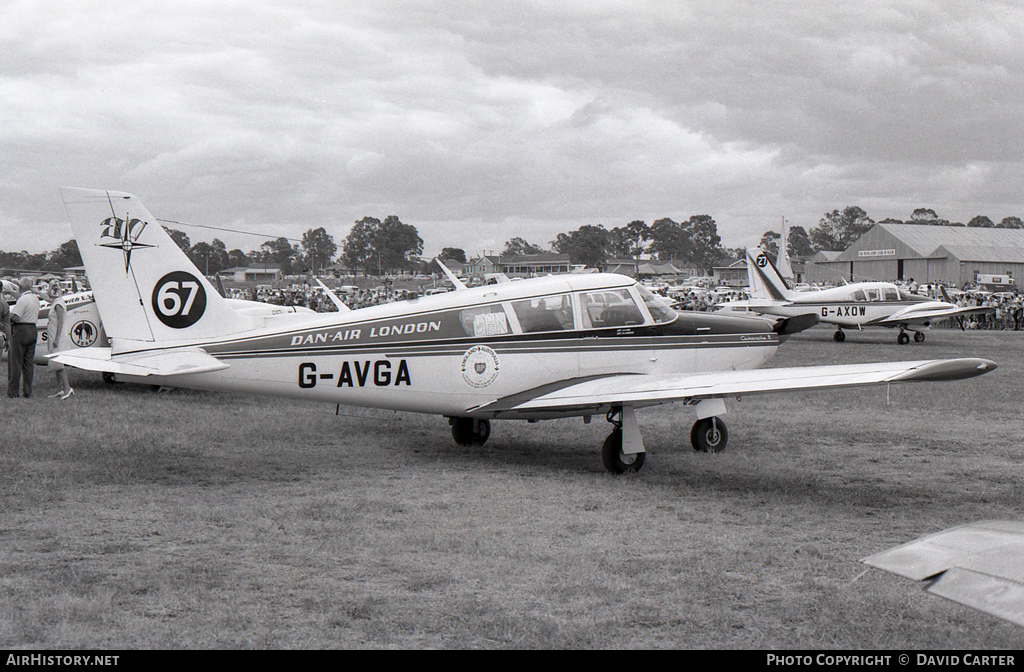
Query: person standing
point(5, 321)
point(57, 340)
point(20, 358)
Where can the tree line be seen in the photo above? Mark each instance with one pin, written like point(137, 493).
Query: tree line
point(376, 246)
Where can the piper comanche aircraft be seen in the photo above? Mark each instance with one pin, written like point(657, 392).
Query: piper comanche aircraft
point(856, 305)
point(554, 347)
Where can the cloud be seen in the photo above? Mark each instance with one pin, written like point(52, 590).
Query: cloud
point(490, 120)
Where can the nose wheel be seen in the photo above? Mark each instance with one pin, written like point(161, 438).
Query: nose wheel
point(839, 336)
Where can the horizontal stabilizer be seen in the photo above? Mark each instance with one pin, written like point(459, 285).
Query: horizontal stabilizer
point(150, 363)
point(977, 565)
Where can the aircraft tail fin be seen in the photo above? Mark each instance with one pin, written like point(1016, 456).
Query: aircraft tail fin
point(765, 280)
point(148, 292)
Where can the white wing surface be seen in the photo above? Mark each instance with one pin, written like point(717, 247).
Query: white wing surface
point(977, 565)
point(639, 390)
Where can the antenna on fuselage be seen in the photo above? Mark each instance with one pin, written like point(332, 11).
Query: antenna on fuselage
point(451, 276)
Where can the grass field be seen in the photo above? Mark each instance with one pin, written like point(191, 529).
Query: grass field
point(134, 519)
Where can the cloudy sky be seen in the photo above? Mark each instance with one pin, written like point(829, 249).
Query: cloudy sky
point(479, 121)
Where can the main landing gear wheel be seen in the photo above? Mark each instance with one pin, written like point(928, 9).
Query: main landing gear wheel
point(617, 461)
point(903, 338)
point(839, 336)
point(709, 435)
point(918, 337)
point(469, 431)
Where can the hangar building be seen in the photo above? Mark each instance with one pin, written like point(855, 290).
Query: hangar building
point(953, 255)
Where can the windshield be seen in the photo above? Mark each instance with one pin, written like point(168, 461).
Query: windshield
point(659, 310)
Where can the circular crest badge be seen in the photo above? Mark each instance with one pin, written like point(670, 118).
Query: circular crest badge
point(84, 333)
point(179, 300)
point(479, 366)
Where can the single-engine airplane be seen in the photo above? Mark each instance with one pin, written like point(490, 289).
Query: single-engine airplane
point(554, 347)
point(860, 304)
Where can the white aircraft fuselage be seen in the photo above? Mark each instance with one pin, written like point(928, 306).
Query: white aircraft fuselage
point(447, 353)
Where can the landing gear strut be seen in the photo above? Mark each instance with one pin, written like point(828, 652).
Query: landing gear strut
point(470, 431)
point(615, 460)
point(709, 435)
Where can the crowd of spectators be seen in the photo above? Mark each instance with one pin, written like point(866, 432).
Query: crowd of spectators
point(315, 298)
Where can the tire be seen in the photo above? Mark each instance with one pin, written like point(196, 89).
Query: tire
point(918, 337)
point(903, 339)
point(464, 434)
point(615, 460)
point(709, 435)
point(839, 336)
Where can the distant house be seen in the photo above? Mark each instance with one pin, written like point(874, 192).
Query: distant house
point(732, 274)
point(621, 265)
point(258, 275)
point(479, 267)
point(533, 265)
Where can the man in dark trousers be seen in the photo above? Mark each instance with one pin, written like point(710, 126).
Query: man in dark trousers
point(22, 349)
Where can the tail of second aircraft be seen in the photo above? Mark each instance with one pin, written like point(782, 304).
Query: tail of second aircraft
point(765, 280)
point(148, 292)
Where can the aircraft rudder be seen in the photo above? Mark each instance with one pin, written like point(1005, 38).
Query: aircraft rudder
point(765, 278)
point(145, 286)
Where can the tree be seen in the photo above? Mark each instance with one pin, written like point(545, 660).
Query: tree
point(799, 243)
point(586, 245)
point(278, 252)
point(65, 256)
point(669, 240)
point(376, 245)
point(237, 258)
point(770, 243)
point(838, 230)
point(981, 222)
point(358, 246)
point(517, 247)
point(394, 241)
point(205, 256)
point(1010, 223)
point(454, 254)
point(318, 248)
point(180, 239)
point(705, 243)
point(923, 215)
point(629, 240)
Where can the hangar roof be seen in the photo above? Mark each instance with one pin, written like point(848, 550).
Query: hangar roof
point(987, 253)
point(925, 239)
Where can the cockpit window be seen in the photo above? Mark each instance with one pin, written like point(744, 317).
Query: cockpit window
point(659, 310)
point(610, 308)
point(891, 294)
point(546, 313)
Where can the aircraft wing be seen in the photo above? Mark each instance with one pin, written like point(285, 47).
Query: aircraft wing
point(155, 363)
point(922, 316)
point(639, 390)
point(978, 565)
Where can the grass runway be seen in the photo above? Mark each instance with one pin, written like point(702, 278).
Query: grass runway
point(131, 519)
